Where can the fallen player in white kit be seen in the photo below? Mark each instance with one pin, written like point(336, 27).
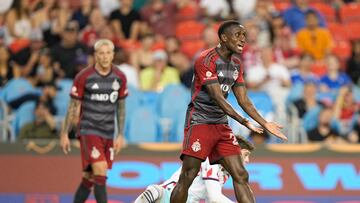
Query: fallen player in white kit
point(206, 186)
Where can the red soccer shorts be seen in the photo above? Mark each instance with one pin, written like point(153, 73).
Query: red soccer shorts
point(215, 141)
point(95, 148)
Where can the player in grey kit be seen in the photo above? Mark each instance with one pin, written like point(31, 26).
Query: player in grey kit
point(207, 134)
point(98, 94)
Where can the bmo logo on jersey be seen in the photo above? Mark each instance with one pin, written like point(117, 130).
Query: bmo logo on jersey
point(105, 97)
point(225, 88)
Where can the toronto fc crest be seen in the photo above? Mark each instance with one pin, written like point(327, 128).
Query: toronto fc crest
point(196, 146)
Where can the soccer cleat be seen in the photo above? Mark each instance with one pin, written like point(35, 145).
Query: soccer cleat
point(150, 195)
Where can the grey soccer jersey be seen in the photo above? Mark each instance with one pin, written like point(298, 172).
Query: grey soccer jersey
point(211, 68)
point(99, 95)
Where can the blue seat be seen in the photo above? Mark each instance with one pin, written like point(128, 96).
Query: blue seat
point(172, 106)
point(149, 99)
point(142, 126)
point(62, 98)
point(23, 115)
point(17, 88)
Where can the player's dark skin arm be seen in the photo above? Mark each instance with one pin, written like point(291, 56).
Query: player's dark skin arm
point(216, 94)
point(245, 103)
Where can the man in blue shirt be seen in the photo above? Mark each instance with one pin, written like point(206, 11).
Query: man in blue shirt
point(295, 15)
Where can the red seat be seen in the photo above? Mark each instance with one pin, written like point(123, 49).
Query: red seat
point(326, 10)
point(190, 48)
point(342, 49)
point(281, 5)
point(338, 31)
point(350, 13)
point(186, 13)
point(353, 30)
point(189, 30)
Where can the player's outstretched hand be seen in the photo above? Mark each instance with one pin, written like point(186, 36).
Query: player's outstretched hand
point(119, 143)
point(65, 143)
point(251, 127)
point(274, 129)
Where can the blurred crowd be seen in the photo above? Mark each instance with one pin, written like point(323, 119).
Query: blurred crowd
point(304, 55)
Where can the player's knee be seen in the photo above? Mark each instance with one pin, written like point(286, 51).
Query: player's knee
point(241, 176)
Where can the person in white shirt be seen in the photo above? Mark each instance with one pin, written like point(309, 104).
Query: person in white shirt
point(206, 186)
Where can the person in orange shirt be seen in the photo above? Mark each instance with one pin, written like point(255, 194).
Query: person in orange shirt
point(313, 39)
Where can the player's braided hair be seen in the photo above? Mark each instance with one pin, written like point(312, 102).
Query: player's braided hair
point(245, 144)
point(225, 25)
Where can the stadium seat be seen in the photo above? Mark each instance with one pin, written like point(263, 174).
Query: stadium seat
point(186, 13)
point(326, 10)
point(191, 47)
point(338, 31)
point(342, 49)
point(149, 99)
point(189, 30)
point(143, 126)
point(62, 97)
point(281, 5)
point(172, 103)
point(17, 88)
point(23, 115)
point(350, 13)
point(353, 29)
point(132, 102)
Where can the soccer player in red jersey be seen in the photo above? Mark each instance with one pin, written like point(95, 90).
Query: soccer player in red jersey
point(98, 94)
point(207, 134)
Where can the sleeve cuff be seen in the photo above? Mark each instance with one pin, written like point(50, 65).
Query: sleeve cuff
point(207, 82)
point(75, 97)
point(239, 84)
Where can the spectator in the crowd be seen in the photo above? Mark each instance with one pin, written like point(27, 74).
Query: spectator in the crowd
point(210, 37)
point(354, 135)
point(219, 9)
point(126, 21)
point(252, 51)
point(334, 79)
point(313, 39)
point(324, 131)
point(143, 57)
point(45, 72)
point(69, 52)
point(303, 72)
point(6, 70)
point(345, 110)
point(159, 75)
point(308, 100)
point(45, 18)
point(295, 15)
point(283, 42)
point(43, 127)
point(121, 60)
point(353, 64)
point(178, 60)
point(18, 23)
point(91, 32)
point(159, 17)
point(271, 77)
point(63, 15)
point(82, 14)
point(260, 16)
